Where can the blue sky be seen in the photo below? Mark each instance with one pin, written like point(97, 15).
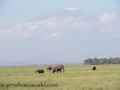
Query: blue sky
point(55, 40)
point(22, 11)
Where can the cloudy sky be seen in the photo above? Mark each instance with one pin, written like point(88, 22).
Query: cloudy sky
point(54, 38)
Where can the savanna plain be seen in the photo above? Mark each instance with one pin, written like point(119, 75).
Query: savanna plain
point(75, 77)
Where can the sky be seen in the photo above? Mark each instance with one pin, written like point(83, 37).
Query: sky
point(58, 40)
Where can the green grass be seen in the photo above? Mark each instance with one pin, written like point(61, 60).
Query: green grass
point(106, 77)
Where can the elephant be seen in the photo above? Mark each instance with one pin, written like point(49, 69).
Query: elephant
point(39, 71)
point(94, 67)
point(57, 67)
point(49, 68)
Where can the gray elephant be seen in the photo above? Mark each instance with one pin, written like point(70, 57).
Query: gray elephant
point(57, 67)
point(39, 71)
point(49, 68)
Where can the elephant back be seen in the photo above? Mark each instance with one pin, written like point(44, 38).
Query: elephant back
point(57, 66)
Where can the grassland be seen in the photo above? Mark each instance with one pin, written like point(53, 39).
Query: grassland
point(106, 77)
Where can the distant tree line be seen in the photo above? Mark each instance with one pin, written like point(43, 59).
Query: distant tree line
point(96, 61)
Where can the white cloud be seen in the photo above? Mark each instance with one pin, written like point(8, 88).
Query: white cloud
point(108, 18)
point(33, 27)
point(52, 35)
point(109, 25)
point(59, 27)
point(70, 8)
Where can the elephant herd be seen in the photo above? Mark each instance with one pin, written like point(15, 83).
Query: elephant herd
point(54, 68)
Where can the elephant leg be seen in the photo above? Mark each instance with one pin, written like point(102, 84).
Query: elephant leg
point(53, 71)
point(56, 71)
point(60, 70)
